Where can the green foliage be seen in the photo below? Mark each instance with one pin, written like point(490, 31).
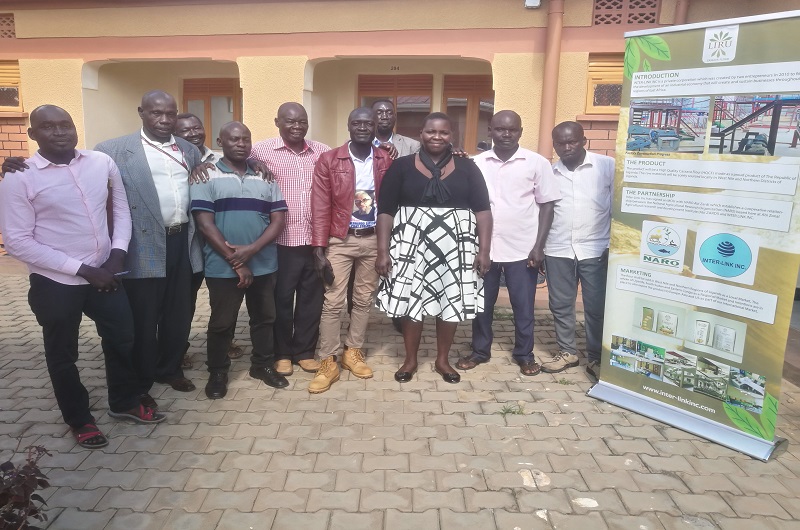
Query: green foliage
point(18, 500)
point(641, 51)
point(632, 58)
point(515, 408)
point(564, 381)
point(746, 422)
point(654, 46)
point(769, 415)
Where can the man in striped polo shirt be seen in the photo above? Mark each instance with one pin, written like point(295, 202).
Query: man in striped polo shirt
point(240, 216)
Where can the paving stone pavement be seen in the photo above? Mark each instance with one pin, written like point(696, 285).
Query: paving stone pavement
point(376, 454)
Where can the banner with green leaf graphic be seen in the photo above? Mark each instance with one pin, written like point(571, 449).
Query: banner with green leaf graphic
point(705, 238)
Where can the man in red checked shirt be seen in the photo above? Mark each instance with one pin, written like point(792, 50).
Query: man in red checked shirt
point(299, 290)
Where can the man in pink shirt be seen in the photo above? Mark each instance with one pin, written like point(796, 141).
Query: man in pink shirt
point(55, 218)
point(523, 193)
point(299, 290)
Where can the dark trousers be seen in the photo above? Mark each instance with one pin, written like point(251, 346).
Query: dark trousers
point(225, 300)
point(563, 275)
point(59, 309)
point(162, 316)
point(521, 283)
point(299, 294)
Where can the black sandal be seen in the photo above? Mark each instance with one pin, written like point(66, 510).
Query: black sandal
point(469, 362)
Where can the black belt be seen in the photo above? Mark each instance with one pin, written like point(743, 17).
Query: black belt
point(176, 229)
point(362, 232)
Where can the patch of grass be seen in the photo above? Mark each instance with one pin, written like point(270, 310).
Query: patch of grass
point(508, 408)
point(503, 314)
point(564, 381)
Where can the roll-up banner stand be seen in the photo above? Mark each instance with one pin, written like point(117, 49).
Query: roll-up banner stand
point(705, 236)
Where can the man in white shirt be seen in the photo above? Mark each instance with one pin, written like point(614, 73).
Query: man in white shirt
point(577, 248)
point(522, 192)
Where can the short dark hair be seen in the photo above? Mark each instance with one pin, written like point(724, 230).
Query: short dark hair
point(187, 115)
point(437, 116)
point(382, 100)
point(568, 126)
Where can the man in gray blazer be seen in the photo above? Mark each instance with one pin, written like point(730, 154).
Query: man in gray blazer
point(164, 250)
point(385, 120)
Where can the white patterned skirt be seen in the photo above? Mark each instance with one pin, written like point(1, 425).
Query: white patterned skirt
point(433, 251)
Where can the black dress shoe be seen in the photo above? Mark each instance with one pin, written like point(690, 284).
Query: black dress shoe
point(449, 377)
point(181, 384)
point(146, 400)
point(404, 377)
point(217, 385)
point(269, 376)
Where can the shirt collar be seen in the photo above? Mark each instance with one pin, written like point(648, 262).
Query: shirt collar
point(354, 157)
point(588, 161)
point(41, 162)
point(156, 142)
point(208, 155)
point(280, 144)
point(222, 166)
point(377, 143)
point(518, 154)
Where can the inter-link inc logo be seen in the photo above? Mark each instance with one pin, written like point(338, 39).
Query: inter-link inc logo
point(678, 398)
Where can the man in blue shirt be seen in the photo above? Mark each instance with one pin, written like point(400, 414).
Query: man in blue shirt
point(239, 215)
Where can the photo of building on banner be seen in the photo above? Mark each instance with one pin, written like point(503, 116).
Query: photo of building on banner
point(705, 237)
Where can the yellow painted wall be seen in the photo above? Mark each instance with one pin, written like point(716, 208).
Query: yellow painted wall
point(572, 86)
point(704, 10)
point(111, 108)
point(279, 17)
point(518, 87)
point(667, 15)
point(335, 88)
point(54, 82)
point(266, 83)
point(577, 12)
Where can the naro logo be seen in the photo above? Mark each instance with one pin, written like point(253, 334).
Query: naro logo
point(726, 255)
point(663, 241)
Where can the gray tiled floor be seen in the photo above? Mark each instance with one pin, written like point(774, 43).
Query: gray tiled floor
point(376, 454)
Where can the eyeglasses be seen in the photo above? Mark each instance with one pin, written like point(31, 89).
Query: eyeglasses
point(368, 199)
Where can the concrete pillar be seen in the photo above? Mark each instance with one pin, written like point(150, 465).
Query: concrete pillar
point(266, 83)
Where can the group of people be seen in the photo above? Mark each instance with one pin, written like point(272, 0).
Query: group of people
point(126, 234)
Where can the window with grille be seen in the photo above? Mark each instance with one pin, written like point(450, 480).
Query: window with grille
point(604, 93)
point(625, 12)
point(9, 86)
point(7, 30)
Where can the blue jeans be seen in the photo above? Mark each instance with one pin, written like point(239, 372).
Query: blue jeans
point(563, 275)
point(521, 283)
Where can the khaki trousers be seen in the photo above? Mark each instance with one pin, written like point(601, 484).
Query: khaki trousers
point(345, 254)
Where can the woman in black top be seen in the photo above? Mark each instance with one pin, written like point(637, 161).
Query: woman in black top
point(434, 230)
